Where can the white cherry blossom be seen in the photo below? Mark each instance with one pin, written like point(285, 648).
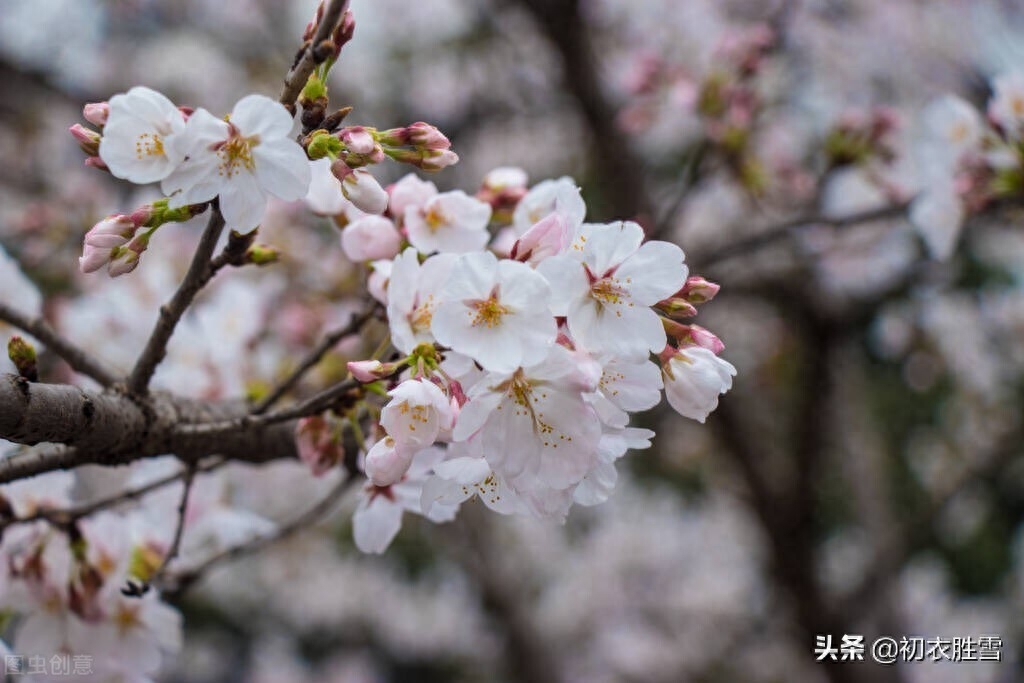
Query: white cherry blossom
point(694, 378)
point(414, 291)
point(142, 139)
point(534, 426)
point(418, 410)
point(450, 222)
point(496, 312)
point(409, 192)
point(241, 160)
point(1007, 105)
point(560, 196)
point(606, 283)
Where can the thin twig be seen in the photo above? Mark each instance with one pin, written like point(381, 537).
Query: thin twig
point(311, 406)
point(188, 475)
point(67, 516)
point(355, 323)
point(199, 273)
point(297, 77)
point(79, 360)
point(178, 582)
point(782, 230)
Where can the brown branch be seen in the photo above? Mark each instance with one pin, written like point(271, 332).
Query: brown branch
point(355, 323)
point(110, 428)
point(178, 582)
point(199, 273)
point(310, 57)
point(79, 359)
point(188, 475)
point(311, 406)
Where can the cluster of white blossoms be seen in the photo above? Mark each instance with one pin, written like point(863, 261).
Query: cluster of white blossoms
point(524, 336)
point(521, 355)
point(966, 160)
point(240, 160)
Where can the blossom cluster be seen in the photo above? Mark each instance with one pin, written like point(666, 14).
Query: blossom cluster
point(968, 160)
point(520, 354)
point(239, 160)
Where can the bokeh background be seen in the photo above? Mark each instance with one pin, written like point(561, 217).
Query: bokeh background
point(862, 477)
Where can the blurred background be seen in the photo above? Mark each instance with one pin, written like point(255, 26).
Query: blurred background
point(862, 477)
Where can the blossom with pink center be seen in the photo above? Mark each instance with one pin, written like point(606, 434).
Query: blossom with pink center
point(560, 196)
point(241, 160)
point(534, 426)
point(606, 283)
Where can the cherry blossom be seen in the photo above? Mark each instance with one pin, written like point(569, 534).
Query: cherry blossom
point(1007, 105)
point(560, 196)
point(606, 283)
point(450, 222)
point(414, 292)
point(536, 430)
point(143, 137)
point(241, 160)
point(418, 410)
point(496, 312)
point(694, 378)
point(409, 192)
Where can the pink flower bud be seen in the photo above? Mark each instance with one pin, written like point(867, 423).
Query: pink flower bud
point(367, 371)
point(706, 339)
point(694, 335)
point(141, 215)
point(675, 307)
point(435, 160)
point(358, 140)
point(425, 136)
point(386, 463)
point(96, 113)
point(698, 291)
point(93, 258)
point(317, 444)
point(549, 236)
point(88, 140)
point(112, 231)
point(126, 259)
point(96, 162)
point(371, 238)
point(123, 263)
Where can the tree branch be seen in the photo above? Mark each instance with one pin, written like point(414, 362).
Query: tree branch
point(110, 428)
point(79, 359)
point(179, 582)
point(782, 230)
point(299, 74)
point(355, 323)
point(199, 273)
